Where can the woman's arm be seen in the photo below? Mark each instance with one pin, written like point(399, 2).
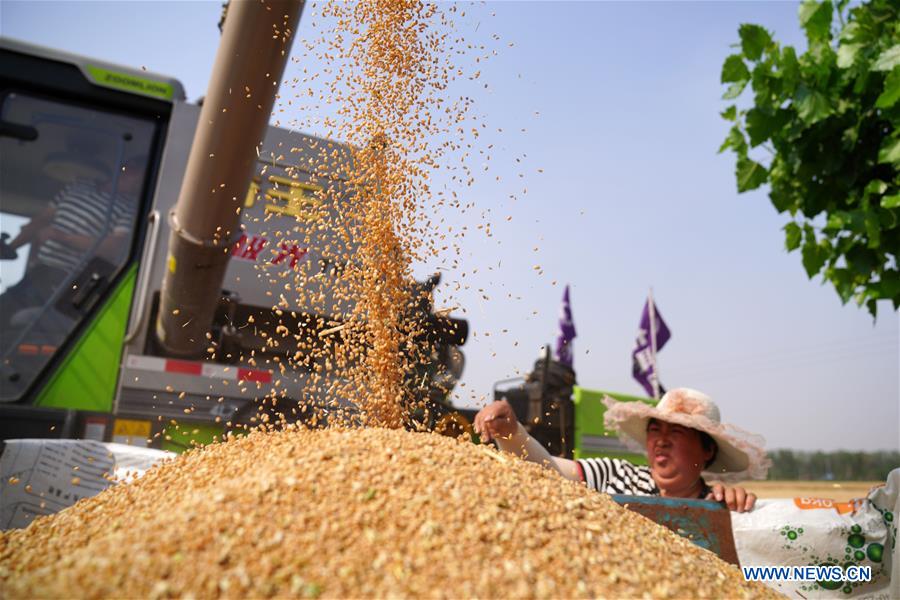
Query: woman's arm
point(498, 422)
point(523, 445)
point(29, 231)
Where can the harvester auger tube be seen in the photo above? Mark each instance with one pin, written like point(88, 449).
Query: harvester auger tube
point(250, 61)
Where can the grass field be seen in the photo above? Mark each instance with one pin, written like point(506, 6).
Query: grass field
point(835, 490)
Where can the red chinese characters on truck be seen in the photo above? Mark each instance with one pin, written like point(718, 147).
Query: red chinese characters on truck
point(249, 247)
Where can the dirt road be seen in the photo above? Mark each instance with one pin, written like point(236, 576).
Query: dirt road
point(835, 490)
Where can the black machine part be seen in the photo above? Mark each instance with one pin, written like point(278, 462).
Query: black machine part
point(542, 400)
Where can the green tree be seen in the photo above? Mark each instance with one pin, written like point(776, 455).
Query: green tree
point(784, 465)
point(845, 466)
point(826, 123)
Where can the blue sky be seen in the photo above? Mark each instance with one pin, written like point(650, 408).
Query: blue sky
point(620, 105)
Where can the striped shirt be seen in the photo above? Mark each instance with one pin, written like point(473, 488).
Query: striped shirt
point(83, 210)
point(617, 476)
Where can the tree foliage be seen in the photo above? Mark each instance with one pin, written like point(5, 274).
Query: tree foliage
point(841, 465)
point(827, 123)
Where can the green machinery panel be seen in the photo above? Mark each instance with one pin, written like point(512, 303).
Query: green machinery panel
point(592, 439)
point(86, 380)
point(188, 435)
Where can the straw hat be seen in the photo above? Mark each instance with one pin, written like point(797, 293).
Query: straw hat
point(740, 455)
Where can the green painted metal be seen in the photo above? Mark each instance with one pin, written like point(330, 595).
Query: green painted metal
point(130, 83)
point(188, 435)
point(589, 412)
point(86, 380)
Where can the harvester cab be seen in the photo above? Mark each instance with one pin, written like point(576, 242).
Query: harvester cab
point(76, 180)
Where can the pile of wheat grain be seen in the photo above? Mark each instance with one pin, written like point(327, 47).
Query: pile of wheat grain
point(355, 513)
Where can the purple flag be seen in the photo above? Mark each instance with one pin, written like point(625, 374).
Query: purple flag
point(566, 332)
point(643, 367)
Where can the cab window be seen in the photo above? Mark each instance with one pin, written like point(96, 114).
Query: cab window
point(71, 180)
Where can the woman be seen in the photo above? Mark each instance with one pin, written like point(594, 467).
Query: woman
point(683, 437)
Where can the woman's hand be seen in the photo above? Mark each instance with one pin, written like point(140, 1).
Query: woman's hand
point(496, 420)
point(735, 498)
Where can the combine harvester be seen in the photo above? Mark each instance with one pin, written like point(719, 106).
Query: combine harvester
point(116, 347)
point(112, 347)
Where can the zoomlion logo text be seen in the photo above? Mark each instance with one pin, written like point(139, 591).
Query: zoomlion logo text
point(131, 83)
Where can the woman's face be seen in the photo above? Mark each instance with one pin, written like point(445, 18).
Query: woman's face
point(676, 454)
